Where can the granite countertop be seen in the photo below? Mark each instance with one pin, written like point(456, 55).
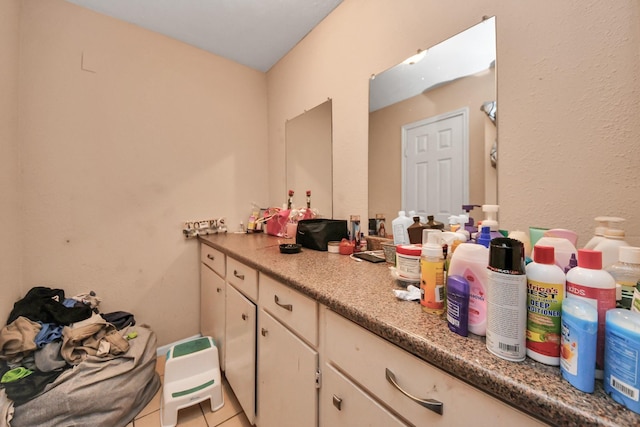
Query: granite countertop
point(362, 292)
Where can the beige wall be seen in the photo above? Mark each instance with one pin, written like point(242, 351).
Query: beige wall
point(124, 135)
point(10, 225)
point(385, 138)
point(568, 94)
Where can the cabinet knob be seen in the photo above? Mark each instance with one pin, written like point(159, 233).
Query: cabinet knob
point(288, 307)
point(430, 404)
point(264, 332)
point(238, 275)
point(218, 290)
point(211, 257)
point(337, 402)
point(244, 316)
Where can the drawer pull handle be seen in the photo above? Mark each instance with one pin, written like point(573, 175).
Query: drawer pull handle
point(431, 404)
point(218, 290)
point(211, 257)
point(244, 316)
point(238, 275)
point(285, 306)
point(264, 332)
point(337, 402)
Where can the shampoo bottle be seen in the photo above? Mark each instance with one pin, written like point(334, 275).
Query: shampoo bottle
point(432, 286)
point(470, 261)
point(578, 343)
point(507, 300)
point(590, 283)
point(545, 283)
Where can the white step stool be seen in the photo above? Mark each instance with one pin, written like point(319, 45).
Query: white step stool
point(191, 375)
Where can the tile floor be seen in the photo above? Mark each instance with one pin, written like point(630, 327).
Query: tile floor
point(200, 415)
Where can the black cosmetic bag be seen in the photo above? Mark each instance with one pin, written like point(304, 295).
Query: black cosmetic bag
point(316, 233)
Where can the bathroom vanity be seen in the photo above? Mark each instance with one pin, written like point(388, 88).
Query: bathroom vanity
point(318, 339)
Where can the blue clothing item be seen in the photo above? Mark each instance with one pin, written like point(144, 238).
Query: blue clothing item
point(49, 333)
point(69, 302)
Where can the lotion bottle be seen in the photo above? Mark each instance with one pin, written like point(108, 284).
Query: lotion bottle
point(470, 261)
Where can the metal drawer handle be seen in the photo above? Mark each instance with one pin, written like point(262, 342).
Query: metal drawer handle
point(431, 404)
point(264, 332)
point(211, 257)
point(285, 306)
point(337, 402)
point(244, 316)
point(238, 275)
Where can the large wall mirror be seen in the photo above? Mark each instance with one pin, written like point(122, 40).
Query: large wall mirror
point(432, 129)
point(308, 158)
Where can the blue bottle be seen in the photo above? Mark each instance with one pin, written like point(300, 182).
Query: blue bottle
point(621, 357)
point(578, 343)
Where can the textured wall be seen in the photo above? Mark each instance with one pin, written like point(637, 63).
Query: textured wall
point(125, 135)
point(568, 93)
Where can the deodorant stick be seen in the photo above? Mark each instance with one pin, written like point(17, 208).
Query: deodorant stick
point(507, 300)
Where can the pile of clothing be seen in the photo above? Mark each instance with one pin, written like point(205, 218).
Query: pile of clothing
point(47, 333)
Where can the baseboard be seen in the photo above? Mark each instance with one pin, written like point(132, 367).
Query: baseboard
point(162, 351)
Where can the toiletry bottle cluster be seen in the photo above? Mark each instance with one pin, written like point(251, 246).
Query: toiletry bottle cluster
point(533, 294)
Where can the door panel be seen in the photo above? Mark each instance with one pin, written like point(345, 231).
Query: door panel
point(435, 159)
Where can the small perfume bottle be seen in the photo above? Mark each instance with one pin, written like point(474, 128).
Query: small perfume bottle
point(290, 200)
point(308, 199)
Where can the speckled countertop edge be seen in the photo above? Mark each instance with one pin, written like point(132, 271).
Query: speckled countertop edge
point(362, 292)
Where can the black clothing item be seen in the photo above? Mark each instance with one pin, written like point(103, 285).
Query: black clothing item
point(25, 389)
point(120, 319)
point(44, 305)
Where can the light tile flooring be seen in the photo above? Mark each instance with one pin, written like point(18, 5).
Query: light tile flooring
point(200, 415)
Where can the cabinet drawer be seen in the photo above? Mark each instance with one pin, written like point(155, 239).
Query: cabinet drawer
point(244, 278)
point(349, 346)
point(296, 311)
point(344, 404)
point(213, 258)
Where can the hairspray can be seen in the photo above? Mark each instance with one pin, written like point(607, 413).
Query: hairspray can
point(507, 300)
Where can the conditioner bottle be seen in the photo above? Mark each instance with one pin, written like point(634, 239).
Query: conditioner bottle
point(545, 292)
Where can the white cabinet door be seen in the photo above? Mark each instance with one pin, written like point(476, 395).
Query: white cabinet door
point(287, 393)
point(212, 307)
point(344, 404)
point(240, 350)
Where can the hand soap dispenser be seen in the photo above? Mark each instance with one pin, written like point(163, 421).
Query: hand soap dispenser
point(604, 222)
point(490, 220)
